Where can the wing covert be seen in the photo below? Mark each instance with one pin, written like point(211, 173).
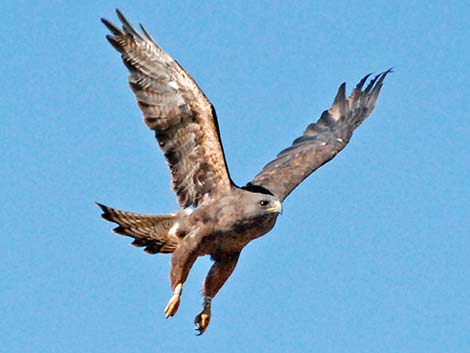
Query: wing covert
point(321, 141)
point(173, 106)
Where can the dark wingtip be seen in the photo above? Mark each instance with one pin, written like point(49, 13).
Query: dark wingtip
point(371, 84)
point(383, 75)
point(106, 214)
point(128, 29)
point(120, 230)
point(377, 84)
point(111, 26)
point(153, 249)
point(341, 95)
point(137, 242)
point(146, 33)
point(100, 205)
point(114, 42)
point(362, 82)
point(380, 77)
point(118, 13)
point(374, 82)
point(107, 217)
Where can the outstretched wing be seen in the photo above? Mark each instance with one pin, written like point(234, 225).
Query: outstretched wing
point(183, 119)
point(321, 141)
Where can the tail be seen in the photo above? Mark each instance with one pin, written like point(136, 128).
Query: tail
point(150, 231)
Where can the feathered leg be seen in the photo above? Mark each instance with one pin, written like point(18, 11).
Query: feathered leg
point(215, 279)
point(182, 260)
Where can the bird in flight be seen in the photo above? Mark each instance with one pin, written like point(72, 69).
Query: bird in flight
point(217, 217)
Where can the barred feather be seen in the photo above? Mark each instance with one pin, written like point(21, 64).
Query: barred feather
point(182, 117)
point(321, 141)
point(149, 231)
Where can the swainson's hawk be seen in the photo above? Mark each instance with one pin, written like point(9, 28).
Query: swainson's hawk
point(217, 217)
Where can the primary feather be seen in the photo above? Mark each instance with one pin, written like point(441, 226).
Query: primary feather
point(183, 119)
point(321, 141)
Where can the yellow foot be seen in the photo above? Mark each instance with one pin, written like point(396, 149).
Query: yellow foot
point(202, 321)
point(174, 302)
point(172, 306)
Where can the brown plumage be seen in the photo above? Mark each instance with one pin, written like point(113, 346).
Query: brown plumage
point(224, 217)
point(149, 231)
point(322, 140)
point(175, 108)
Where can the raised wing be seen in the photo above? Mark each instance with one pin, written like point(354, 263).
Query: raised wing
point(321, 141)
point(183, 119)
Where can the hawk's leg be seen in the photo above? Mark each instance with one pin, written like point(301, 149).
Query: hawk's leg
point(181, 262)
point(218, 274)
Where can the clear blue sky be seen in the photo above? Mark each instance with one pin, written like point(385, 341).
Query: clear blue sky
point(371, 253)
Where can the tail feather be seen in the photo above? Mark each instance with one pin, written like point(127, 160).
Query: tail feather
point(149, 231)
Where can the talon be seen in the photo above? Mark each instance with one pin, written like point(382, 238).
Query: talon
point(174, 302)
point(202, 321)
point(172, 306)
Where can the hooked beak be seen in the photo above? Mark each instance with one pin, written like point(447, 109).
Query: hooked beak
point(277, 207)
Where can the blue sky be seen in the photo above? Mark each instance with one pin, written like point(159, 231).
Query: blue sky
point(371, 252)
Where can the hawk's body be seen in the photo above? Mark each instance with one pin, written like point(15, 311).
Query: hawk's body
point(224, 217)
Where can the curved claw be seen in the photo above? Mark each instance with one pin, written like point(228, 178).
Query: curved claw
point(202, 321)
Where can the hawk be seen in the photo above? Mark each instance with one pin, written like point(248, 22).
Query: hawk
point(217, 217)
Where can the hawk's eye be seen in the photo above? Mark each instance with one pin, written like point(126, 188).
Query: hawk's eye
point(264, 203)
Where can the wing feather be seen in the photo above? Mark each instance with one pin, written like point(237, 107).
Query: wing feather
point(183, 119)
point(321, 141)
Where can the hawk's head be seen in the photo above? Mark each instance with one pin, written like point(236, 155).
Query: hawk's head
point(255, 205)
point(268, 204)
